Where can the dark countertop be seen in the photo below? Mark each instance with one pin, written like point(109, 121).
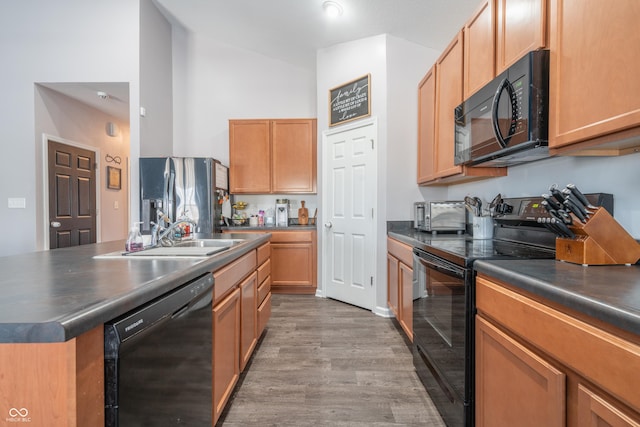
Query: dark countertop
point(607, 293)
point(53, 296)
point(293, 227)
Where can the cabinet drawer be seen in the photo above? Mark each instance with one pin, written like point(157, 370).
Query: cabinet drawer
point(264, 253)
point(264, 313)
point(230, 275)
point(264, 289)
point(571, 341)
point(401, 251)
point(291, 236)
point(264, 271)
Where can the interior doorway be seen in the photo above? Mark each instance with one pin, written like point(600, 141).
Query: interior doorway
point(348, 202)
point(72, 195)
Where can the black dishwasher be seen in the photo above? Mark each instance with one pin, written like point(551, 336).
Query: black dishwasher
point(158, 360)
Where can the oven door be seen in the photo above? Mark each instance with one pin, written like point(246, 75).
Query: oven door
point(443, 334)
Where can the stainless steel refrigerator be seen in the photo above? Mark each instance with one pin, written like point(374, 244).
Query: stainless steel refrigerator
point(177, 186)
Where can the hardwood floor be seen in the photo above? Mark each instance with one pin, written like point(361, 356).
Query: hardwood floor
point(323, 362)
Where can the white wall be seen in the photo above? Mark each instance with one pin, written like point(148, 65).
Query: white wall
point(407, 64)
point(61, 41)
point(616, 175)
point(71, 122)
point(214, 82)
point(396, 66)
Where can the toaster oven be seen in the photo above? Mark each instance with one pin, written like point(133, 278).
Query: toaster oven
point(440, 216)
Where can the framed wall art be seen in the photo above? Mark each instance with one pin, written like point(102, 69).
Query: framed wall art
point(350, 101)
point(114, 178)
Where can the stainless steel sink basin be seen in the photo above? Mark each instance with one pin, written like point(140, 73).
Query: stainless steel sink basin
point(208, 243)
point(198, 248)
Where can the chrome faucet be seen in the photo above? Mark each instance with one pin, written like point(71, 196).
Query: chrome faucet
point(164, 236)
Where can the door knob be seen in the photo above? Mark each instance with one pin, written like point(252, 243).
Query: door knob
point(328, 225)
point(55, 224)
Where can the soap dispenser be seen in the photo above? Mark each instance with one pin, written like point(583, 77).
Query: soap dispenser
point(134, 240)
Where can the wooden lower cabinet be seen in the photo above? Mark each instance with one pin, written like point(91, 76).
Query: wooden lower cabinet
point(400, 283)
point(241, 309)
point(249, 318)
point(226, 350)
point(393, 285)
point(539, 364)
point(515, 387)
point(57, 384)
point(293, 260)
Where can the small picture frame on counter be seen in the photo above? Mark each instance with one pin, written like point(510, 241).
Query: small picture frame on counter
point(114, 178)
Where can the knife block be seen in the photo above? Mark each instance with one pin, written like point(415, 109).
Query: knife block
point(601, 241)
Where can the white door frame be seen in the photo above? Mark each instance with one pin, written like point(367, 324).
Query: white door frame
point(45, 184)
point(321, 290)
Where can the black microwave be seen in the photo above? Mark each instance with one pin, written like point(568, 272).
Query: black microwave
point(506, 122)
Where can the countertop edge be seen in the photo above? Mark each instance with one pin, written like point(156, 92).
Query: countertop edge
point(614, 315)
point(72, 325)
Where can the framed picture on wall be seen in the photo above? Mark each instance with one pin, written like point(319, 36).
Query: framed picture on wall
point(350, 101)
point(114, 178)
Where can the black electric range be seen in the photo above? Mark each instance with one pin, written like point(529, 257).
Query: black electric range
point(444, 299)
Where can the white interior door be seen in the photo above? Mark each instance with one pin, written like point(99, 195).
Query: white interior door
point(348, 201)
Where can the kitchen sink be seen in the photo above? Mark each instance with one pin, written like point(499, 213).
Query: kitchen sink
point(198, 248)
point(208, 243)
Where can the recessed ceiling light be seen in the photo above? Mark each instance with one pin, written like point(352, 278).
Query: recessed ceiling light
point(332, 9)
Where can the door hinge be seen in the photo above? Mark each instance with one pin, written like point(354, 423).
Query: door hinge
point(371, 281)
point(372, 213)
point(372, 144)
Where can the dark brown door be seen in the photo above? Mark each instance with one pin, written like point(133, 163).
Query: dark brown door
point(72, 196)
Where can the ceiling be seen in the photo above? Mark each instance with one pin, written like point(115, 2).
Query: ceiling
point(291, 31)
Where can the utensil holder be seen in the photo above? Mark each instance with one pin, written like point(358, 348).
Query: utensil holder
point(601, 241)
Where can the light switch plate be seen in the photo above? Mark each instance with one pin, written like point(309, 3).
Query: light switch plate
point(17, 203)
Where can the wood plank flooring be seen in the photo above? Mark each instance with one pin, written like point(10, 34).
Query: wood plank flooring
point(322, 362)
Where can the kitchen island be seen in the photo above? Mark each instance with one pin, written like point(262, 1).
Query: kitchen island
point(53, 305)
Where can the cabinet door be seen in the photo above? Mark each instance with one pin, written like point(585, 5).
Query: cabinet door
point(249, 318)
point(249, 156)
point(514, 386)
point(521, 28)
point(593, 78)
point(393, 291)
point(291, 267)
point(294, 156)
point(226, 350)
point(426, 126)
point(448, 97)
point(406, 299)
point(479, 49)
point(597, 411)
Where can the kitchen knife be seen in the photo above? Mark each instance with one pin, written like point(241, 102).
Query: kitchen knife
point(551, 227)
point(575, 210)
point(556, 193)
point(583, 199)
point(562, 226)
point(564, 216)
point(569, 196)
point(551, 201)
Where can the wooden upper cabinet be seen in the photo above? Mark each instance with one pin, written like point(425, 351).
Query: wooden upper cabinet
point(439, 93)
point(250, 156)
point(594, 107)
point(426, 126)
point(448, 97)
point(521, 28)
point(479, 49)
point(294, 156)
point(272, 156)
